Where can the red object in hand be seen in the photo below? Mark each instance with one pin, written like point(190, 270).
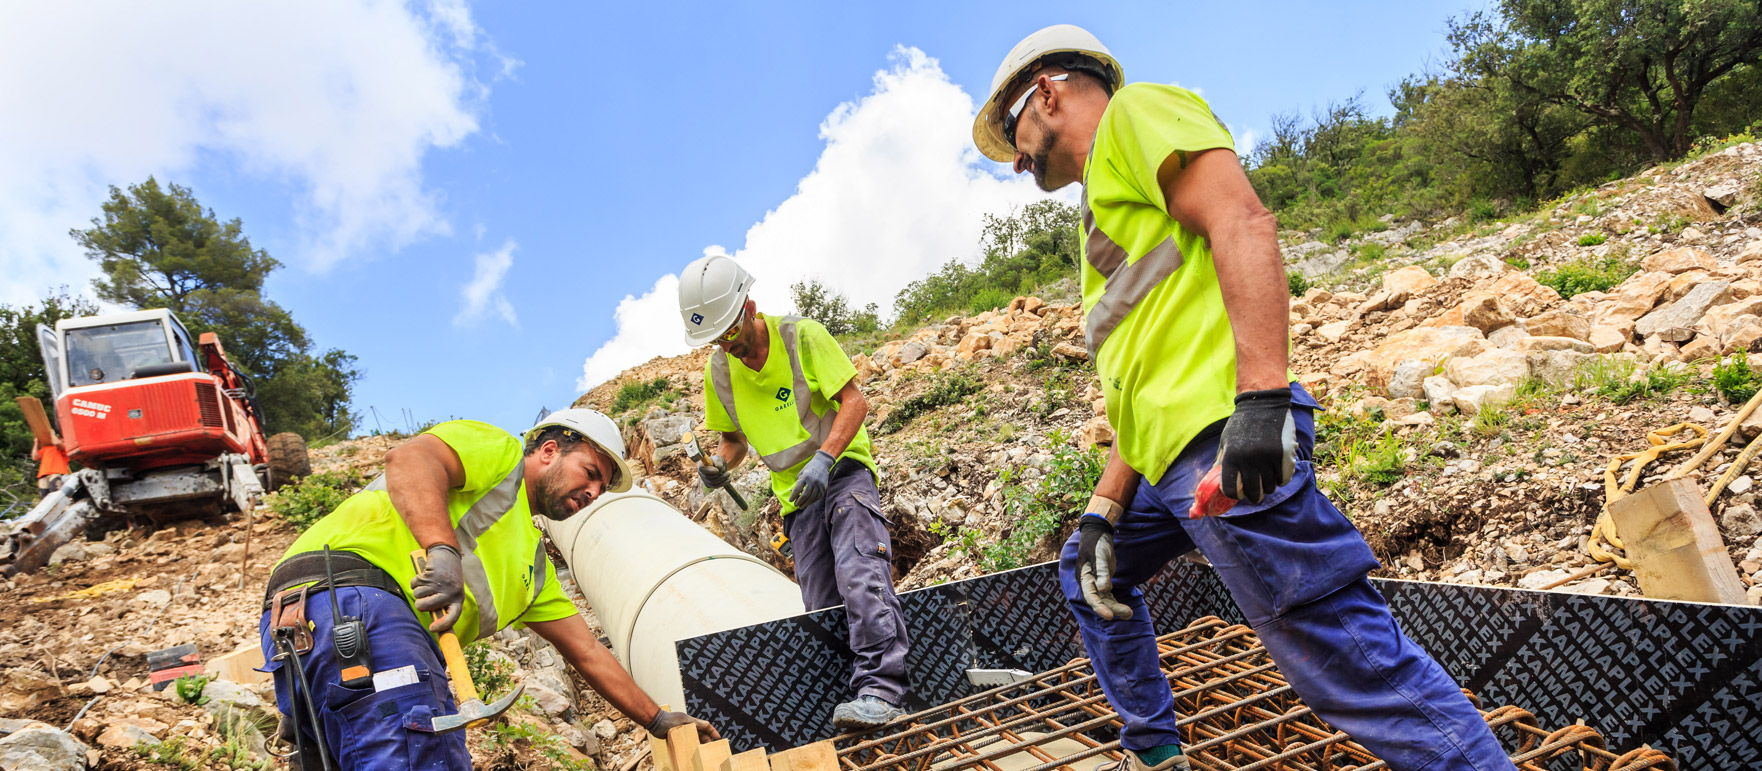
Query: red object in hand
point(1209, 499)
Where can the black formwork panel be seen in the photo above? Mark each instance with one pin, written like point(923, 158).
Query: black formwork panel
point(1683, 677)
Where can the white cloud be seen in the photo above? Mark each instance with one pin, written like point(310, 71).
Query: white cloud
point(337, 101)
point(648, 326)
point(483, 293)
point(898, 191)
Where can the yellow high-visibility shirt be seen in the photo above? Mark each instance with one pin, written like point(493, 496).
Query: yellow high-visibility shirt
point(508, 577)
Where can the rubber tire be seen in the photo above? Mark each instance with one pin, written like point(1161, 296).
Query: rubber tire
point(287, 459)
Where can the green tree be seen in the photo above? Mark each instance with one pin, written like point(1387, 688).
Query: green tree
point(160, 248)
point(1642, 66)
point(821, 303)
point(21, 374)
point(1030, 248)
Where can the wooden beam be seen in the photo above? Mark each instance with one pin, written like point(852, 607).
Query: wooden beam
point(658, 750)
point(751, 760)
point(37, 420)
point(682, 747)
point(710, 756)
point(819, 756)
point(1675, 545)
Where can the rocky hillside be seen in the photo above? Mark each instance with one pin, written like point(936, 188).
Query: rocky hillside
point(1478, 379)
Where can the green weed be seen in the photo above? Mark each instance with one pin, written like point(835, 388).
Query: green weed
point(1592, 239)
point(634, 395)
point(309, 499)
point(510, 735)
point(492, 675)
point(1382, 462)
point(175, 752)
point(1297, 283)
point(1735, 379)
point(1042, 507)
point(1621, 381)
point(1588, 274)
point(189, 689)
point(947, 389)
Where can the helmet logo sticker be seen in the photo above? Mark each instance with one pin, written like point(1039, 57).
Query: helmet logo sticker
point(697, 318)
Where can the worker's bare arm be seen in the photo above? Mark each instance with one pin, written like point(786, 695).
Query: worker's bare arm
point(602, 671)
point(733, 448)
point(418, 474)
point(853, 408)
point(1119, 483)
point(1209, 194)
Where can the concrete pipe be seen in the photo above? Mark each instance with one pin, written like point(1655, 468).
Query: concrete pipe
point(654, 578)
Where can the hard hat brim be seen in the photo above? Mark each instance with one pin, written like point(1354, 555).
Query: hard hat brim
point(988, 124)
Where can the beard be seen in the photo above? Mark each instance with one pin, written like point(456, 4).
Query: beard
point(551, 498)
point(1042, 154)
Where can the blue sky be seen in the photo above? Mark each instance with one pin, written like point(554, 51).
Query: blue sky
point(485, 202)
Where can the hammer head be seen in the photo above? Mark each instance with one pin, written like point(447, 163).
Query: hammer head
point(475, 712)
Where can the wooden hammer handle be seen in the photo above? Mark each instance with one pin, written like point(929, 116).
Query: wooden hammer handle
point(457, 670)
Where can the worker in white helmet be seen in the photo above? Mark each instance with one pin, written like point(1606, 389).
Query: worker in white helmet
point(1185, 305)
point(463, 492)
point(784, 385)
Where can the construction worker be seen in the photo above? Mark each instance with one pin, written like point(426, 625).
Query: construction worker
point(1185, 315)
point(784, 385)
point(51, 467)
point(464, 492)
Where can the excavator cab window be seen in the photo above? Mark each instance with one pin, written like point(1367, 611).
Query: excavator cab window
point(115, 352)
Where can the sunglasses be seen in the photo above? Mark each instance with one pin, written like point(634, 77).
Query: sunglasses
point(1014, 115)
point(733, 332)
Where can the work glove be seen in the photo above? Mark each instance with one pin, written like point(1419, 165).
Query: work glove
point(440, 586)
point(1095, 567)
point(1258, 453)
point(666, 721)
point(810, 484)
point(713, 476)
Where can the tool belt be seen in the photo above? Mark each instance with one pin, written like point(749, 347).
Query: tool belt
point(308, 568)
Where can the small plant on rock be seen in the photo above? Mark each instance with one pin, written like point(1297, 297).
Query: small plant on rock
point(492, 675)
point(1735, 380)
point(306, 501)
point(189, 688)
point(1587, 274)
point(1592, 239)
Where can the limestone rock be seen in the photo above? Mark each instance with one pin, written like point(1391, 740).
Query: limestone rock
point(1523, 295)
point(1560, 322)
point(1438, 391)
point(1096, 432)
point(1608, 339)
point(909, 353)
point(1508, 336)
point(1741, 334)
point(1633, 298)
point(1676, 322)
point(1472, 399)
point(1489, 368)
point(1485, 313)
point(1558, 367)
point(1478, 265)
point(1740, 521)
point(1702, 347)
point(42, 749)
point(1428, 344)
point(1333, 330)
point(547, 700)
point(1408, 380)
point(1070, 351)
point(1533, 344)
point(1679, 261)
point(1719, 317)
point(1405, 283)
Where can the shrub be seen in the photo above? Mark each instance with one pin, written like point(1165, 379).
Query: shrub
point(1587, 275)
point(307, 500)
point(1297, 283)
point(1734, 379)
point(1382, 462)
point(1592, 239)
point(633, 395)
point(949, 388)
point(1042, 507)
point(492, 675)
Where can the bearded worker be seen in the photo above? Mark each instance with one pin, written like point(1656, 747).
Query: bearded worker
point(1186, 313)
point(464, 493)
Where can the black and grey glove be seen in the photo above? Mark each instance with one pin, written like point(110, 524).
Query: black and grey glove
point(666, 721)
point(1095, 568)
point(440, 586)
point(713, 476)
point(1259, 448)
point(810, 484)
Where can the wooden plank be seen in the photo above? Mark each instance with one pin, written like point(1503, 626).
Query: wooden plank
point(239, 666)
point(710, 756)
point(658, 750)
point(819, 756)
point(1675, 544)
point(37, 420)
point(682, 747)
point(751, 760)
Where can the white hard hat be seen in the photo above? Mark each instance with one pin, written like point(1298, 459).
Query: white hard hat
point(712, 290)
point(597, 429)
point(1044, 47)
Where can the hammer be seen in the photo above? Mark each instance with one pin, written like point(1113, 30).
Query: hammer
point(472, 711)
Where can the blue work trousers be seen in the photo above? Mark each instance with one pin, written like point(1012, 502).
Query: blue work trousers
point(367, 728)
point(843, 556)
point(1296, 567)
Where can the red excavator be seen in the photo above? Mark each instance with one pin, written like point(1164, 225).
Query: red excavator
point(164, 430)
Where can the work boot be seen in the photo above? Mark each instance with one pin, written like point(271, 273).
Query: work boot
point(1133, 762)
point(864, 713)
